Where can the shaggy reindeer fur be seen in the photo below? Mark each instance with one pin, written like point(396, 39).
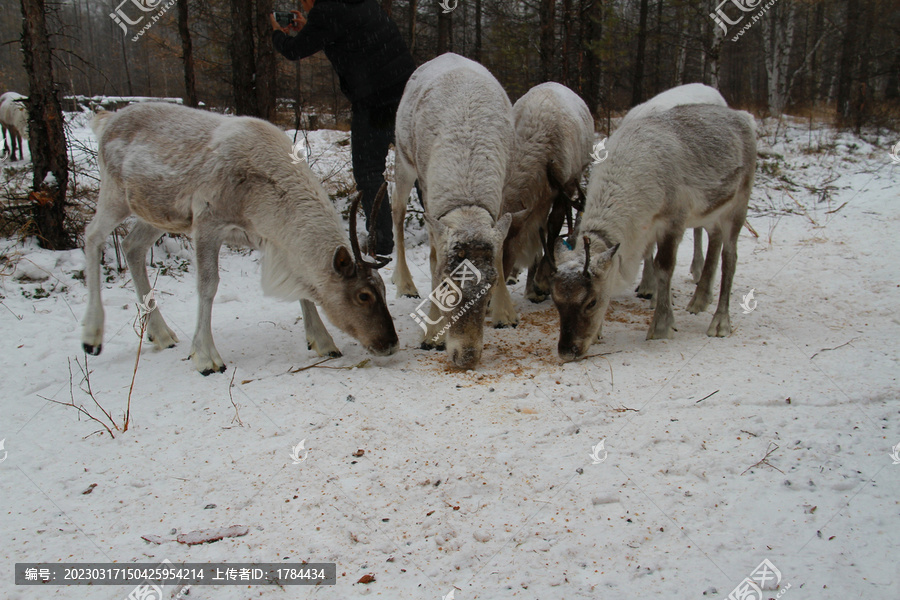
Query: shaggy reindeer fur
point(554, 133)
point(14, 121)
point(454, 133)
point(692, 93)
point(690, 166)
point(227, 180)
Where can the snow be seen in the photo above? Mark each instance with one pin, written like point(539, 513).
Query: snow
point(482, 481)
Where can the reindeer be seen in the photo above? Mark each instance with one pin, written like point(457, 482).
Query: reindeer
point(229, 180)
point(690, 166)
point(691, 93)
point(454, 133)
point(14, 122)
point(554, 132)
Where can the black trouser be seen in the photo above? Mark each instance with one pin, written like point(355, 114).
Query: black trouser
point(371, 132)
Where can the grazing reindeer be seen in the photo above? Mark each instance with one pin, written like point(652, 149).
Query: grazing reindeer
point(14, 121)
point(690, 166)
point(228, 180)
point(554, 132)
point(454, 133)
point(692, 93)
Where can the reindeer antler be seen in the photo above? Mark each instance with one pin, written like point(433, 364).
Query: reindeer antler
point(379, 261)
point(587, 256)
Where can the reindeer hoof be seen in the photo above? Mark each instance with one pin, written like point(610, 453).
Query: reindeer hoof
point(645, 295)
point(410, 295)
point(207, 372)
point(430, 346)
point(502, 325)
point(93, 350)
point(335, 354)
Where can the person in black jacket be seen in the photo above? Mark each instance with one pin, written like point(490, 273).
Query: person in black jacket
point(373, 64)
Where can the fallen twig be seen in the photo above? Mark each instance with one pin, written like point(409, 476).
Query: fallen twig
point(827, 349)
point(237, 416)
point(707, 396)
point(765, 461)
point(358, 365)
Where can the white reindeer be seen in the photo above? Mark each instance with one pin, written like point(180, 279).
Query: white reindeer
point(691, 93)
point(690, 166)
point(454, 133)
point(14, 122)
point(554, 133)
point(228, 180)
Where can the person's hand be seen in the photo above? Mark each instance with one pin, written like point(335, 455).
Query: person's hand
point(275, 25)
point(299, 21)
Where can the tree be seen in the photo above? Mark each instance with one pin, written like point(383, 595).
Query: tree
point(637, 86)
point(848, 61)
point(46, 133)
point(187, 55)
point(243, 63)
point(445, 31)
point(548, 37)
point(266, 65)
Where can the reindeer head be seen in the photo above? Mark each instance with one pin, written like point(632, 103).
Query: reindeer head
point(580, 291)
point(359, 307)
point(465, 245)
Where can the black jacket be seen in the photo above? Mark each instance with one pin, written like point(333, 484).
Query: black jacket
point(362, 43)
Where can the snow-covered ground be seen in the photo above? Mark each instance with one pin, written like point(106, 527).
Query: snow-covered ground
point(482, 482)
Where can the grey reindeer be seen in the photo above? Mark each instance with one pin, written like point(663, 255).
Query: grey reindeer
point(689, 166)
point(454, 134)
point(228, 180)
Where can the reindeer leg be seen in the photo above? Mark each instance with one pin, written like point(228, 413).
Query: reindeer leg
point(136, 244)
point(721, 321)
point(647, 286)
point(503, 311)
point(317, 336)
point(207, 242)
point(663, 324)
point(703, 292)
point(697, 262)
point(111, 210)
point(434, 339)
point(405, 177)
point(530, 292)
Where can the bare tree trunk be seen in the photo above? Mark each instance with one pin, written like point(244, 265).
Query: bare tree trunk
point(413, 9)
point(567, 32)
point(266, 67)
point(637, 86)
point(187, 55)
point(848, 61)
point(477, 30)
point(593, 31)
point(243, 64)
point(715, 51)
point(47, 138)
point(387, 6)
point(548, 22)
point(445, 24)
point(658, 59)
point(778, 36)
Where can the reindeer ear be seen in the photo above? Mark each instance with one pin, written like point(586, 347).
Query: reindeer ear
point(516, 222)
point(503, 225)
point(343, 262)
point(603, 262)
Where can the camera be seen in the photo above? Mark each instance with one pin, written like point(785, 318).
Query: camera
point(284, 18)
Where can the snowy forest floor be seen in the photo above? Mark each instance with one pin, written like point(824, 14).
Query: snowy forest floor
point(482, 481)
